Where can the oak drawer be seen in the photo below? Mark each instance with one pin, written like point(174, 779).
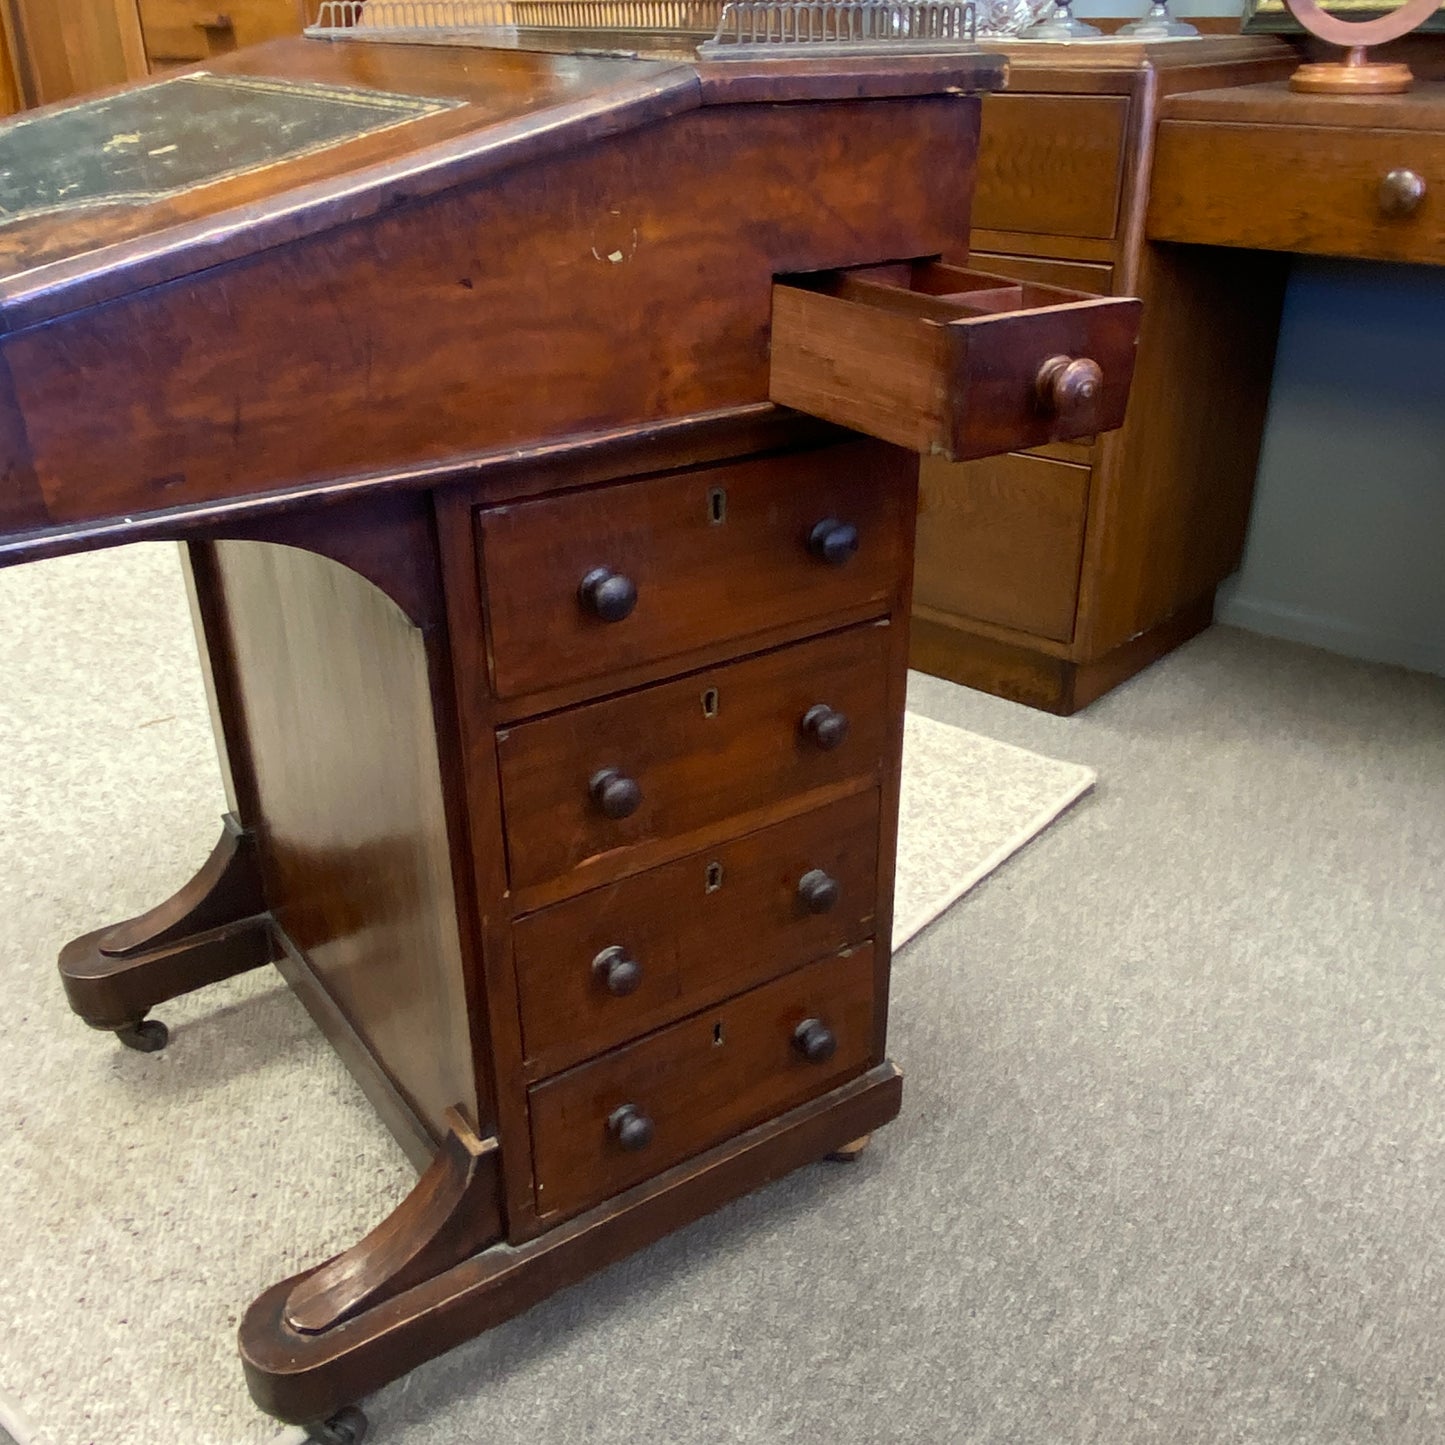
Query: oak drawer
point(179, 31)
point(1301, 188)
point(698, 1082)
point(623, 960)
point(711, 555)
point(1002, 540)
point(1051, 164)
point(950, 362)
point(689, 755)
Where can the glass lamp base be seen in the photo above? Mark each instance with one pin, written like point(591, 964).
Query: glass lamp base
point(1158, 24)
point(1061, 25)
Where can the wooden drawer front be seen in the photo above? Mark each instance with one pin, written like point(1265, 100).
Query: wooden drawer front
point(692, 932)
point(698, 1082)
point(1002, 540)
point(177, 31)
point(949, 362)
point(713, 554)
point(1051, 164)
point(1304, 188)
point(695, 771)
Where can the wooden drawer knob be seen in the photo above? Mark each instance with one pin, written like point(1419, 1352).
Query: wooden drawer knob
point(615, 793)
point(617, 973)
point(1401, 192)
point(833, 541)
point(817, 890)
point(815, 1041)
point(826, 726)
point(630, 1127)
point(1067, 383)
point(608, 595)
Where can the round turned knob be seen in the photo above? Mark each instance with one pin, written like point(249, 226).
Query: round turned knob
point(825, 725)
point(815, 1041)
point(608, 595)
point(1068, 383)
point(833, 541)
point(818, 891)
point(630, 1127)
point(1401, 192)
point(617, 973)
point(615, 793)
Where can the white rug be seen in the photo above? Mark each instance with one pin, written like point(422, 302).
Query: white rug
point(148, 1198)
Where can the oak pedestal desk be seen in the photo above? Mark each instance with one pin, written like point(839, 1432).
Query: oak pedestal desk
point(558, 657)
point(1050, 575)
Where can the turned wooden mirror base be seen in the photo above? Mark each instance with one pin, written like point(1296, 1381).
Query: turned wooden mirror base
point(1356, 74)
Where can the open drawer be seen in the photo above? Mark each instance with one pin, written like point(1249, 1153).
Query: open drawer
point(950, 362)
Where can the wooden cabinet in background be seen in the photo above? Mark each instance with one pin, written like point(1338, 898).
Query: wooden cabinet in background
point(50, 51)
point(1049, 576)
point(181, 32)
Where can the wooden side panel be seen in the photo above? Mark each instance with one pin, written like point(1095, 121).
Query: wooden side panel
point(1171, 496)
point(336, 703)
point(21, 504)
point(1001, 540)
point(491, 316)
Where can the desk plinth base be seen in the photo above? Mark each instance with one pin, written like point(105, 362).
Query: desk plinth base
point(304, 1377)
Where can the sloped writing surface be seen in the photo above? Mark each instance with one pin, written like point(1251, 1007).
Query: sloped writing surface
point(159, 140)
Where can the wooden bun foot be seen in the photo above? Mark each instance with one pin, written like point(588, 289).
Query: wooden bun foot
point(849, 1152)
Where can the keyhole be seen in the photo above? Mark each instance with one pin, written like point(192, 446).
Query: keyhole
point(717, 1035)
point(714, 877)
point(709, 702)
point(717, 506)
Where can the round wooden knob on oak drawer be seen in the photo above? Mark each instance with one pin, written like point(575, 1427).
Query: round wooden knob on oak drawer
point(1067, 383)
point(826, 726)
point(615, 793)
point(817, 890)
point(608, 595)
point(1401, 192)
point(617, 973)
point(833, 541)
point(815, 1041)
point(630, 1127)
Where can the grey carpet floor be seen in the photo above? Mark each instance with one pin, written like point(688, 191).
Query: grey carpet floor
point(1172, 1157)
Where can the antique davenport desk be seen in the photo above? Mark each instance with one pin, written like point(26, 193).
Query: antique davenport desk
point(542, 427)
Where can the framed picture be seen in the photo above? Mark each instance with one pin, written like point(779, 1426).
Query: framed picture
point(1271, 17)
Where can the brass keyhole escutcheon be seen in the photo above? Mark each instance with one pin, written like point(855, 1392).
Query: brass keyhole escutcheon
point(713, 877)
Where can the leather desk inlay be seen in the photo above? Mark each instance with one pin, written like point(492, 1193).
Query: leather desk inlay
point(193, 130)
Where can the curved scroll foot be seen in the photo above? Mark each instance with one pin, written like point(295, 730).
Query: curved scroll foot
point(303, 1376)
point(149, 1036)
point(849, 1153)
point(215, 927)
point(346, 1427)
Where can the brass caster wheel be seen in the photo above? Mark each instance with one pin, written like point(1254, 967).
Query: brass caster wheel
point(346, 1427)
point(149, 1036)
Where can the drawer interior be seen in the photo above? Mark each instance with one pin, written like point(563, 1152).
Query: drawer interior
point(938, 292)
point(952, 362)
